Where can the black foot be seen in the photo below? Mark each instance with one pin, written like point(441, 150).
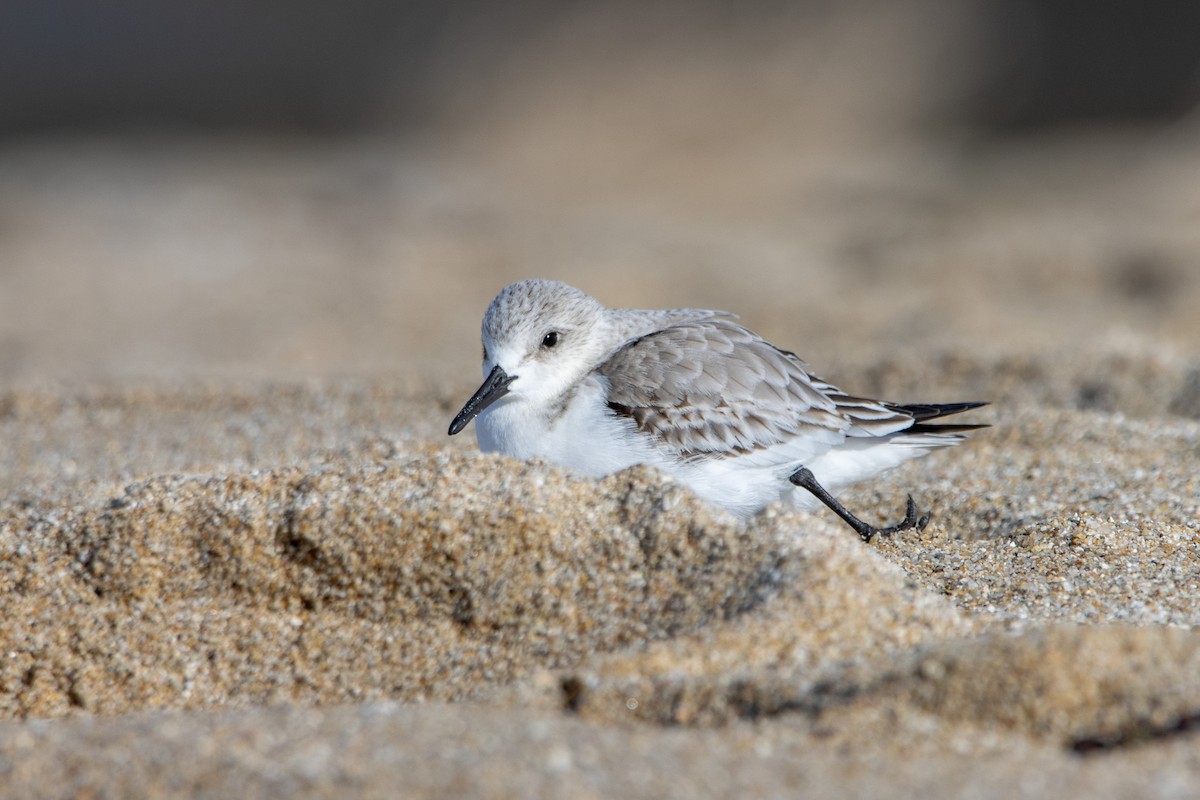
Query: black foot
point(804, 478)
point(911, 521)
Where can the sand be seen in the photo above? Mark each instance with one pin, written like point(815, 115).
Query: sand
point(400, 615)
point(239, 555)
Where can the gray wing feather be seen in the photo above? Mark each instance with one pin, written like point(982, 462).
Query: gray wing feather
point(711, 388)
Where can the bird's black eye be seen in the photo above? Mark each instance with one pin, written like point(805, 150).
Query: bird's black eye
point(550, 339)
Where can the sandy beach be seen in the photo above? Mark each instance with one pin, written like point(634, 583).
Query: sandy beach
point(241, 557)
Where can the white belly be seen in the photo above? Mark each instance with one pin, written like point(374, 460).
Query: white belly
point(587, 438)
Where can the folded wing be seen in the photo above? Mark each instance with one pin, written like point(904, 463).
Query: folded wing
point(710, 388)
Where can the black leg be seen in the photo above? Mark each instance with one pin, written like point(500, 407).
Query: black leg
point(804, 478)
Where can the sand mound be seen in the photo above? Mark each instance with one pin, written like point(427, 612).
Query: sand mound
point(435, 577)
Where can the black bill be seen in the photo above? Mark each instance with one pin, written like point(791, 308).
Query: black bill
point(494, 387)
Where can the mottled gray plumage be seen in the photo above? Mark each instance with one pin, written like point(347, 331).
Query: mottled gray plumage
point(714, 388)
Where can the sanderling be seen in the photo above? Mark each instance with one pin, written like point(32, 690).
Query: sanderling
point(739, 421)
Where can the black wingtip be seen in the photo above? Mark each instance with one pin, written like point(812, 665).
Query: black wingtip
point(924, 427)
point(926, 411)
point(923, 412)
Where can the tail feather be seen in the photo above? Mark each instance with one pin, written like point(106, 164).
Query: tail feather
point(922, 412)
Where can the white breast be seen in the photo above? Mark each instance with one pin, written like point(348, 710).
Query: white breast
point(582, 435)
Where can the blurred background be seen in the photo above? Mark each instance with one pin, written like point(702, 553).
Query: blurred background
point(279, 189)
